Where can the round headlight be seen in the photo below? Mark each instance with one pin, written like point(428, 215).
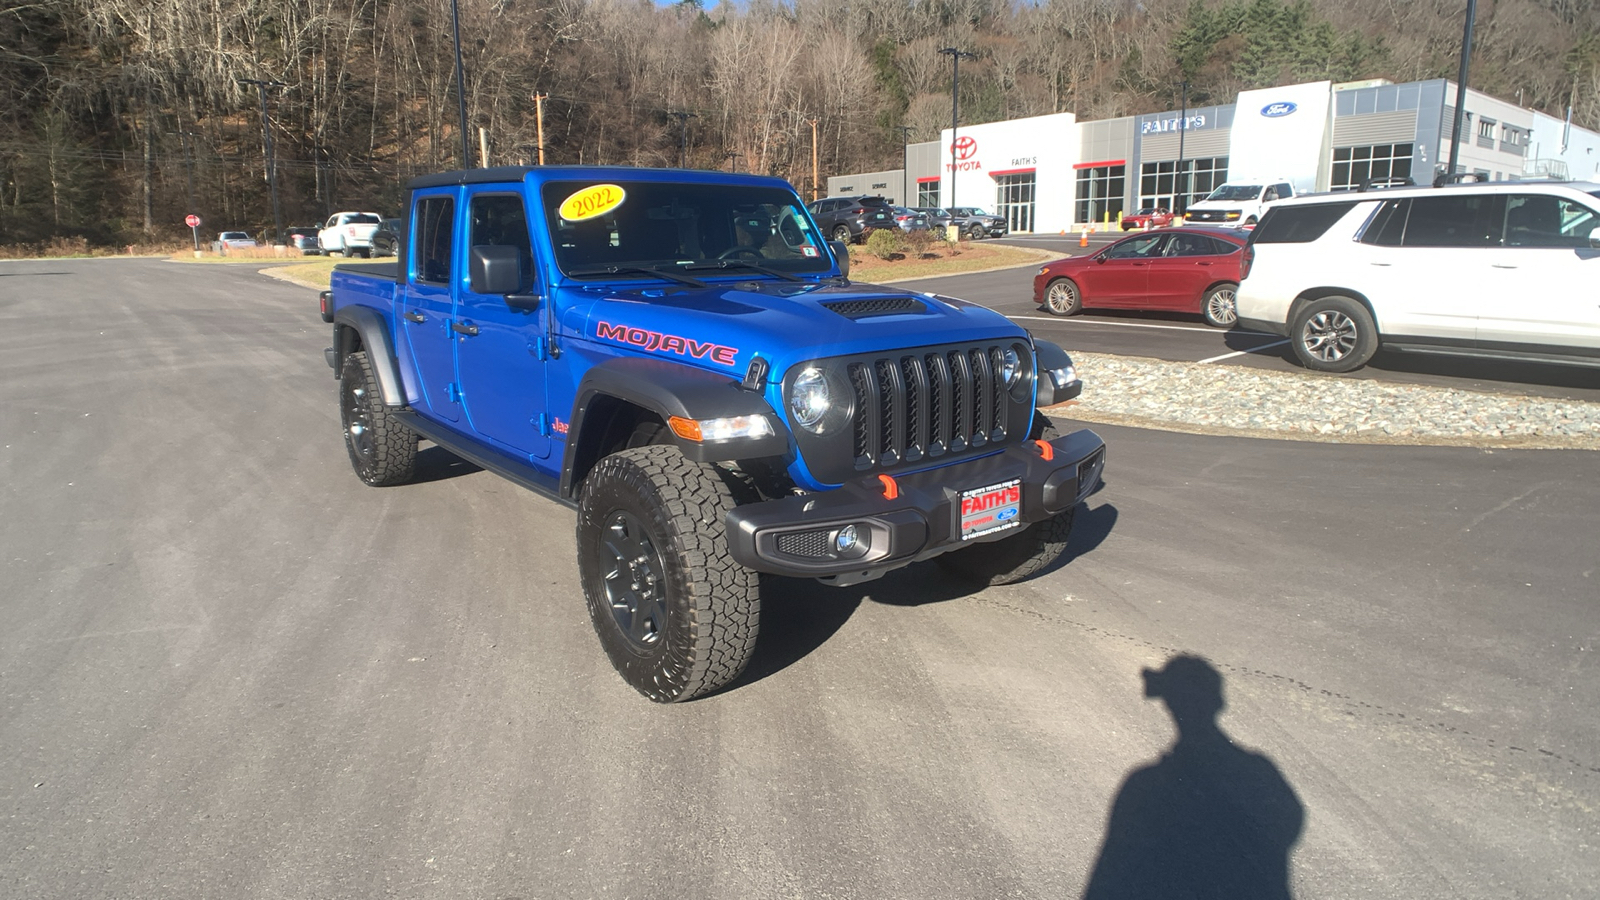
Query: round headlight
point(809, 401)
point(1010, 368)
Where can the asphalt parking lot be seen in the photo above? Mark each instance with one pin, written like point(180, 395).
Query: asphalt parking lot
point(1188, 339)
point(229, 670)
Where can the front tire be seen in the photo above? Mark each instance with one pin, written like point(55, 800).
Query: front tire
point(1062, 298)
point(382, 451)
point(1219, 306)
point(676, 615)
point(1334, 334)
point(1023, 554)
point(975, 232)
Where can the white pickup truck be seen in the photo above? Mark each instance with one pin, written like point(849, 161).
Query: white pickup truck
point(1238, 203)
point(348, 233)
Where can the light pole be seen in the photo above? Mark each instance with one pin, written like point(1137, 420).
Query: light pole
point(188, 162)
point(955, 109)
point(272, 163)
point(1183, 129)
point(461, 87)
point(1461, 89)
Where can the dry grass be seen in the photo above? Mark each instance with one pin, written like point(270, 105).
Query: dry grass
point(941, 259)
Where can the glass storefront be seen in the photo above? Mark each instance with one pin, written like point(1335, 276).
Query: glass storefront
point(1353, 165)
point(1100, 194)
point(1014, 196)
point(1160, 184)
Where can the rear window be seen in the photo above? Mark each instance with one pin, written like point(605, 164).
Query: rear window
point(1298, 224)
point(361, 219)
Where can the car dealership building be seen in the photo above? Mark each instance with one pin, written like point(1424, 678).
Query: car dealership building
point(1053, 173)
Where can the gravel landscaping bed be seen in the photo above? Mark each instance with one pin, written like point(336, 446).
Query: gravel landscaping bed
point(1219, 399)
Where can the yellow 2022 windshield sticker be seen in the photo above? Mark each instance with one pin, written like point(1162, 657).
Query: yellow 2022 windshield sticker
point(596, 200)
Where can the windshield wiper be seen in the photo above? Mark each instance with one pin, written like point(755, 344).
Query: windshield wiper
point(667, 274)
point(741, 264)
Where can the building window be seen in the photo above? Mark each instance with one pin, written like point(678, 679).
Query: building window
point(1101, 191)
point(1160, 184)
point(1014, 196)
point(1353, 165)
point(928, 193)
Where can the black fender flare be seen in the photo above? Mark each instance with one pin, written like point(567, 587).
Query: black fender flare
point(373, 330)
point(668, 390)
point(1048, 356)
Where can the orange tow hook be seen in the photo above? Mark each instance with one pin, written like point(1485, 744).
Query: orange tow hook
point(1045, 450)
point(891, 490)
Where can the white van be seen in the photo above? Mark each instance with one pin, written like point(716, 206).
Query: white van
point(1503, 270)
point(1241, 203)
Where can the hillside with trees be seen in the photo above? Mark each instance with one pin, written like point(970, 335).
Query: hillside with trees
point(118, 117)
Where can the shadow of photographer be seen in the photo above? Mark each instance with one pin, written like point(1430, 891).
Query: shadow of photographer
point(1208, 819)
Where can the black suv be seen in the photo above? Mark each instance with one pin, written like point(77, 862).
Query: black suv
point(386, 240)
point(975, 223)
point(850, 218)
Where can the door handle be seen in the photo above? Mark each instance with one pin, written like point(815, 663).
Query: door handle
point(416, 317)
point(466, 328)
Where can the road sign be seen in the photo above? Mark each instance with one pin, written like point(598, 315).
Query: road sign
point(192, 220)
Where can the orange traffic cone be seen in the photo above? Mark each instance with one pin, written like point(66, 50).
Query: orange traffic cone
point(1083, 238)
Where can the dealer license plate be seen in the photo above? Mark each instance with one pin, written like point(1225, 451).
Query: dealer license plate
point(992, 508)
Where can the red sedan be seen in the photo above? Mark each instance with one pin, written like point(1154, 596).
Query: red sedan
point(1149, 217)
point(1190, 270)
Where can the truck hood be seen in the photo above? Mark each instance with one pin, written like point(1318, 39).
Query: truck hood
point(723, 326)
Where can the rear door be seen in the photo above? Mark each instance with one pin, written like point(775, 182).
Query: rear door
point(1189, 263)
point(1427, 265)
point(501, 351)
point(428, 308)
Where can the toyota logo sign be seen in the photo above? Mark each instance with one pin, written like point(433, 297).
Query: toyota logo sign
point(964, 147)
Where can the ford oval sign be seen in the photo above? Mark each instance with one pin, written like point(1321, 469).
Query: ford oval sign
point(1278, 110)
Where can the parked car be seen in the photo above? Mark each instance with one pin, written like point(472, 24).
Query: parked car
point(1148, 217)
point(910, 219)
point(977, 223)
point(937, 216)
point(303, 238)
point(1505, 270)
point(1238, 203)
point(1189, 270)
point(349, 233)
point(386, 240)
point(850, 218)
point(233, 240)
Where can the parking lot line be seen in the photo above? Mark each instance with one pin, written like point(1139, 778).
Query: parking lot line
point(1118, 324)
point(1243, 352)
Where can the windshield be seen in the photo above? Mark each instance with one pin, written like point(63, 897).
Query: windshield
point(633, 225)
point(235, 236)
point(1147, 211)
point(1236, 192)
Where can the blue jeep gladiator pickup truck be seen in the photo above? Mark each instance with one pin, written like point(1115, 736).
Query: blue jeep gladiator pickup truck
point(681, 357)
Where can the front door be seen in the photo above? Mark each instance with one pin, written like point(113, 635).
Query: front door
point(427, 309)
point(1124, 275)
point(1547, 299)
point(501, 350)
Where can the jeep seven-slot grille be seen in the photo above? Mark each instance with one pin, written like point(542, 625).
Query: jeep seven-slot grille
point(927, 404)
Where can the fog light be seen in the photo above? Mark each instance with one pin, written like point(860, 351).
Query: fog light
point(845, 540)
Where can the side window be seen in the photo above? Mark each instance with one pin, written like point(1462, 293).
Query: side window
point(435, 239)
point(1213, 246)
point(1298, 224)
point(1388, 225)
point(498, 220)
point(1138, 248)
point(1285, 190)
point(1464, 220)
point(1543, 221)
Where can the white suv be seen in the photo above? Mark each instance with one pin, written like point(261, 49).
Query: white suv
point(1508, 270)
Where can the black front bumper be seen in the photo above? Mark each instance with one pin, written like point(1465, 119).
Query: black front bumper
point(796, 535)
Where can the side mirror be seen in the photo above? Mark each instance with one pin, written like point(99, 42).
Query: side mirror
point(1594, 238)
point(495, 270)
point(841, 255)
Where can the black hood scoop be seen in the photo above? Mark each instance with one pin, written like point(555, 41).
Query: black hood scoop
point(876, 306)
